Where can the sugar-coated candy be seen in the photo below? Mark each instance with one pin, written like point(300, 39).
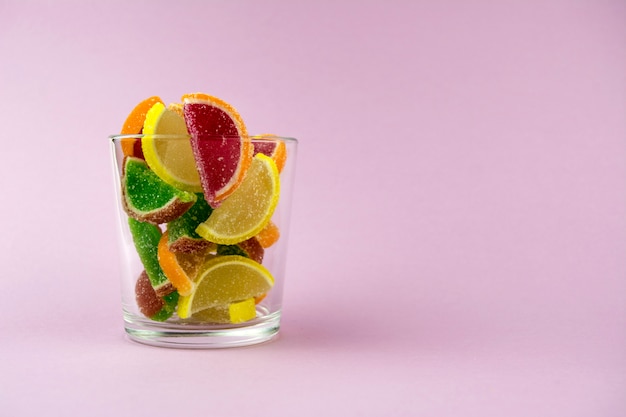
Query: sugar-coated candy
point(182, 236)
point(150, 304)
point(147, 198)
point(146, 238)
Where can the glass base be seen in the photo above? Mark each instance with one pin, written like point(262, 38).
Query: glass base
point(180, 334)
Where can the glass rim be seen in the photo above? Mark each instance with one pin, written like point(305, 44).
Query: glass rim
point(118, 137)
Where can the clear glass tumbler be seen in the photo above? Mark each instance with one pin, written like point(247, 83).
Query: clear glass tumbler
point(203, 236)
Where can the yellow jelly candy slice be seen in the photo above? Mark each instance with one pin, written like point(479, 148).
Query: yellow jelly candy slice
point(171, 158)
point(248, 209)
point(224, 280)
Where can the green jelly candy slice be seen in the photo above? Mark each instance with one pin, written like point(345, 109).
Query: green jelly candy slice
point(171, 300)
point(182, 231)
point(146, 237)
point(147, 198)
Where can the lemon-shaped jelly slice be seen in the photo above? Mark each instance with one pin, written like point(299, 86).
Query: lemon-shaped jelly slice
point(224, 280)
point(248, 209)
point(171, 158)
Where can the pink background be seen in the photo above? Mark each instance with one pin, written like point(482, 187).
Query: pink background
point(458, 239)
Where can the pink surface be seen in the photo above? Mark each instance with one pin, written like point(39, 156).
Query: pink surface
point(458, 239)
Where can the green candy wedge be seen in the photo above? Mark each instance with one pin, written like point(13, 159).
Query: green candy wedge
point(147, 198)
point(170, 300)
point(146, 238)
point(182, 231)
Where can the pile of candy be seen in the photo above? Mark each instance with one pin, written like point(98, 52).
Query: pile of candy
point(199, 194)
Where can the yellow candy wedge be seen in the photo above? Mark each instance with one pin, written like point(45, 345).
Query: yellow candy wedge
point(248, 209)
point(225, 280)
point(170, 158)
